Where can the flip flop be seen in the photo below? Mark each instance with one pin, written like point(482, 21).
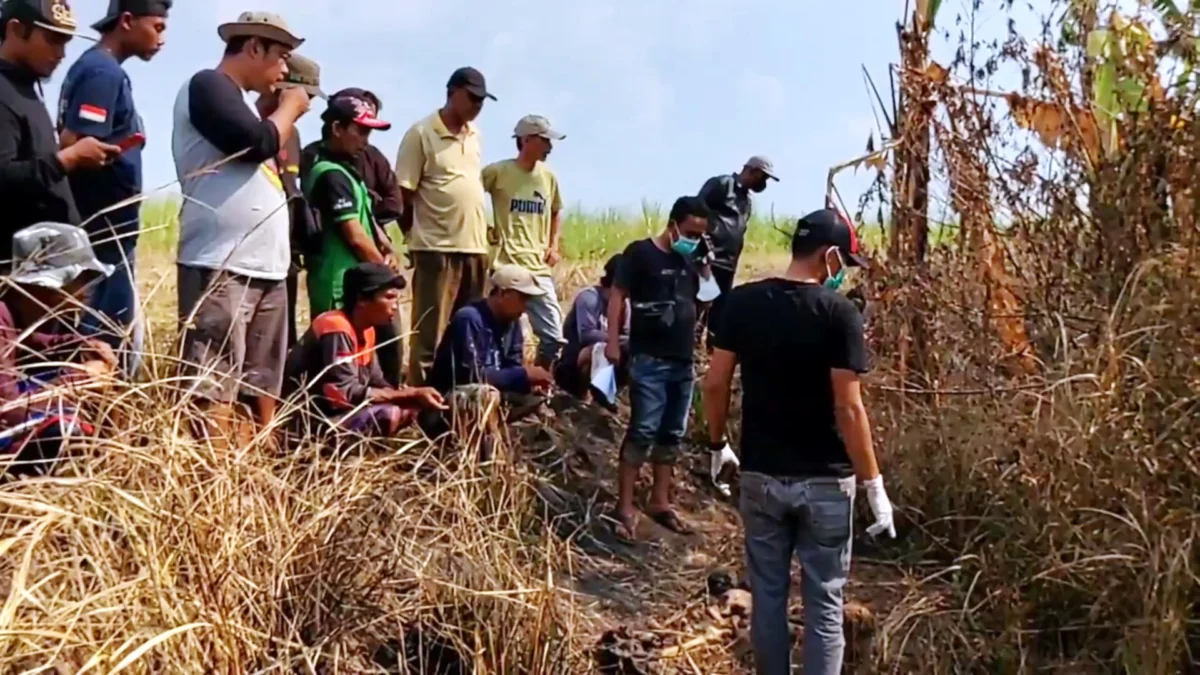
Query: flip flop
point(622, 529)
point(669, 520)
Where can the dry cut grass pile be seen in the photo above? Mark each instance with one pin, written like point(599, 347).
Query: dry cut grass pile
point(155, 553)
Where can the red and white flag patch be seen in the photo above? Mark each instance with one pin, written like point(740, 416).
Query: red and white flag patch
point(93, 113)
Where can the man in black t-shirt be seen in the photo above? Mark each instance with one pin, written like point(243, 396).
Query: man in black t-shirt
point(805, 437)
point(660, 276)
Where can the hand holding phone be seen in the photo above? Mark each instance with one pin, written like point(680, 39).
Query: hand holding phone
point(135, 141)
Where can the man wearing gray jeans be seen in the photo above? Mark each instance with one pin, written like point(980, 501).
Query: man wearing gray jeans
point(805, 439)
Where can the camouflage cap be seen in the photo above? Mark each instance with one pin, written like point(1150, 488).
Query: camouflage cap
point(53, 255)
point(305, 73)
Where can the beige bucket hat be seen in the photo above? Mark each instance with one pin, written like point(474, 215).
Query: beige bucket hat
point(265, 25)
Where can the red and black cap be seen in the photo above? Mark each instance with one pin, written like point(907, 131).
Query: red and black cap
point(353, 105)
point(828, 227)
point(470, 79)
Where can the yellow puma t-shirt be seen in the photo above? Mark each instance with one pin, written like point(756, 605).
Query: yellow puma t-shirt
point(523, 204)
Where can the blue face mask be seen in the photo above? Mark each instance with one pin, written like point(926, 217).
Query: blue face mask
point(685, 247)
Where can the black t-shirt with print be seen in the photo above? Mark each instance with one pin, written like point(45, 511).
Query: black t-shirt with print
point(788, 336)
point(662, 287)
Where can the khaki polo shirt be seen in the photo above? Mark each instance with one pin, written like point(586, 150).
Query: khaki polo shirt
point(444, 172)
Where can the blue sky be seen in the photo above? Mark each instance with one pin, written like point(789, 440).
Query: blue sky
point(654, 95)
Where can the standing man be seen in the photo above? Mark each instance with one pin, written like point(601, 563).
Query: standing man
point(805, 436)
point(438, 168)
point(97, 101)
point(373, 167)
point(728, 200)
point(306, 74)
point(336, 191)
point(234, 229)
point(527, 208)
point(33, 169)
point(660, 277)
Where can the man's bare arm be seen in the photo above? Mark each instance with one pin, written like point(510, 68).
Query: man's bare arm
point(852, 423)
point(359, 242)
point(718, 384)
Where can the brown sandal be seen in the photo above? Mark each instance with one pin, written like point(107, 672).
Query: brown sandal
point(625, 530)
point(671, 521)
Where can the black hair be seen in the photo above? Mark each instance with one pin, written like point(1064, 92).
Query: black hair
point(688, 207)
point(611, 268)
point(802, 248)
point(520, 142)
point(26, 24)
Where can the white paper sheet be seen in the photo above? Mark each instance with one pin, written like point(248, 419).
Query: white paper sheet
point(709, 290)
point(604, 375)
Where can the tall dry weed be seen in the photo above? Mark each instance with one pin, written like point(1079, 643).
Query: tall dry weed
point(1061, 505)
point(155, 553)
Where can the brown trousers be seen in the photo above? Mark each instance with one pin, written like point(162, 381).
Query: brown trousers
point(441, 284)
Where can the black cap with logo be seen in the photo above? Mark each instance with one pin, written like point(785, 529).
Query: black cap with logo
point(52, 15)
point(137, 8)
point(827, 227)
point(470, 79)
point(365, 279)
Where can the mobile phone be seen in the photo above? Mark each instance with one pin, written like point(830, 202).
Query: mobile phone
point(135, 141)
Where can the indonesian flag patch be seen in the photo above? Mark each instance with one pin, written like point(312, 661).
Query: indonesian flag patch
point(93, 113)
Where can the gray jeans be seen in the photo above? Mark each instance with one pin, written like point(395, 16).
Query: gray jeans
point(546, 320)
point(810, 518)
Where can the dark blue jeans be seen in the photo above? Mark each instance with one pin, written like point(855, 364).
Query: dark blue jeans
point(660, 397)
point(810, 519)
point(116, 316)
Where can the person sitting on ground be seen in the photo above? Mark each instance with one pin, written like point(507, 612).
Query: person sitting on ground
point(336, 360)
point(585, 327)
point(484, 345)
point(53, 266)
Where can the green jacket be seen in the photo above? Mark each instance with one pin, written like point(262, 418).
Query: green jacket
point(325, 269)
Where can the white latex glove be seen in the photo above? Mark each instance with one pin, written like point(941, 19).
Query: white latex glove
point(881, 508)
point(721, 459)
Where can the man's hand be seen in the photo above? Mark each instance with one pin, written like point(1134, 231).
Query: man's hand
point(493, 236)
point(539, 377)
point(428, 397)
point(99, 350)
point(553, 256)
point(881, 507)
point(721, 458)
point(612, 352)
point(87, 153)
point(295, 99)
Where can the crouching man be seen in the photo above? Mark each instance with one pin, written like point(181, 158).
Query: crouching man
point(335, 359)
point(53, 268)
point(585, 327)
point(480, 359)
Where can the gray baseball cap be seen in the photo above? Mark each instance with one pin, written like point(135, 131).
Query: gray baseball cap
point(53, 255)
point(536, 125)
point(764, 165)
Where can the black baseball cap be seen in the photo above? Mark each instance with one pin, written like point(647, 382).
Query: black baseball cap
point(135, 7)
point(52, 15)
point(366, 279)
point(827, 227)
point(353, 105)
point(470, 79)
